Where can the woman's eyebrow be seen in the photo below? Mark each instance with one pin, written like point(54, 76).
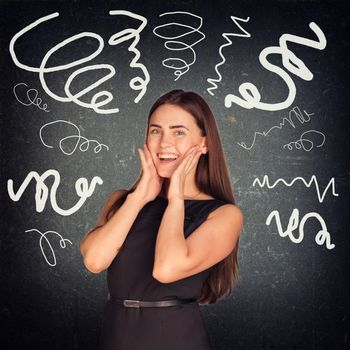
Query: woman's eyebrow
point(170, 127)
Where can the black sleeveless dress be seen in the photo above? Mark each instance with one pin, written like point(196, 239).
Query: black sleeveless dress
point(179, 327)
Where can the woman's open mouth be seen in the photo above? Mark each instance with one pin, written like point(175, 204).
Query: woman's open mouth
point(167, 157)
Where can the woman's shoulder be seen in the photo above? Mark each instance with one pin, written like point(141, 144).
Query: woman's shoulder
point(222, 209)
point(227, 211)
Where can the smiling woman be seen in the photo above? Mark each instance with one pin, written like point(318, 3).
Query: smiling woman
point(172, 131)
point(171, 241)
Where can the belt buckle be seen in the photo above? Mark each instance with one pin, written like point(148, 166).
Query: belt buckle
point(131, 303)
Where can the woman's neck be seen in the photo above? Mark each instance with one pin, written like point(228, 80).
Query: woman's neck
point(190, 190)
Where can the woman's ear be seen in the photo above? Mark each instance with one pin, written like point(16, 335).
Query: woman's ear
point(203, 146)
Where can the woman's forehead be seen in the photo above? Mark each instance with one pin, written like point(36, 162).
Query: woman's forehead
point(168, 115)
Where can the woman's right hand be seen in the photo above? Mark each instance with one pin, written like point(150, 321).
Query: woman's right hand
point(150, 183)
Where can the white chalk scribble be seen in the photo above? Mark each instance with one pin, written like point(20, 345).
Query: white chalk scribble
point(172, 43)
point(137, 83)
point(82, 188)
point(295, 112)
point(249, 92)
point(43, 239)
point(322, 236)
point(305, 143)
point(313, 181)
point(30, 97)
point(101, 98)
point(227, 36)
point(83, 146)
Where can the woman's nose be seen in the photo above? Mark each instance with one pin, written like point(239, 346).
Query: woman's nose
point(166, 141)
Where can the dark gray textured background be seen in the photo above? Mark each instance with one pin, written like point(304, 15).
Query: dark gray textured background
point(289, 296)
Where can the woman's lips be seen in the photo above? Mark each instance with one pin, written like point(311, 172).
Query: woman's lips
point(167, 157)
point(165, 161)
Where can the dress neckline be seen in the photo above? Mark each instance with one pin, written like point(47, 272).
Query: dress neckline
point(190, 200)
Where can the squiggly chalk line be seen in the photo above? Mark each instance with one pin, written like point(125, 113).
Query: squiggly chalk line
point(176, 45)
point(313, 179)
point(228, 43)
point(304, 143)
point(249, 92)
point(31, 99)
point(43, 237)
point(294, 112)
point(82, 189)
point(136, 83)
point(323, 236)
point(84, 146)
point(101, 98)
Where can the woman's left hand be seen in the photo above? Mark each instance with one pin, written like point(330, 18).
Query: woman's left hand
point(177, 179)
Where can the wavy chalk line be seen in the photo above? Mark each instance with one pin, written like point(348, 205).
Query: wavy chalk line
point(101, 98)
point(136, 83)
point(43, 238)
point(176, 45)
point(313, 180)
point(322, 236)
point(226, 36)
point(249, 92)
point(293, 112)
point(83, 147)
point(304, 143)
point(31, 98)
point(82, 188)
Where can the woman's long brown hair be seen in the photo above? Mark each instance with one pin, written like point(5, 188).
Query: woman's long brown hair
point(212, 178)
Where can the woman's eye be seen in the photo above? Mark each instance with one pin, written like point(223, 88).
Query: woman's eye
point(177, 132)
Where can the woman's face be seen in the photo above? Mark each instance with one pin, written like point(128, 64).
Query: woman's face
point(172, 131)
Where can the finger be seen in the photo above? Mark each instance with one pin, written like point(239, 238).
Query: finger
point(189, 154)
point(193, 161)
point(147, 152)
point(191, 150)
point(149, 157)
point(185, 162)
point(142, 158)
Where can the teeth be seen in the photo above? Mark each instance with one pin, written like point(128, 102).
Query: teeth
point(167, 156)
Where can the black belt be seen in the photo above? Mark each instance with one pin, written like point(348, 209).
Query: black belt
point(153, 303)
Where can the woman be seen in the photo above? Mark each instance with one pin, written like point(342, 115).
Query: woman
point(171, 241)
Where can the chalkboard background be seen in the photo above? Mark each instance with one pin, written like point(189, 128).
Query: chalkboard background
point(290, 159)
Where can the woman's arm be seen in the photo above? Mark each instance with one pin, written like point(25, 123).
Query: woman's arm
point(177, 257)
point(102, 245)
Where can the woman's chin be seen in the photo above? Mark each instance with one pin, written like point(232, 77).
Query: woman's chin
point(164, 173)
